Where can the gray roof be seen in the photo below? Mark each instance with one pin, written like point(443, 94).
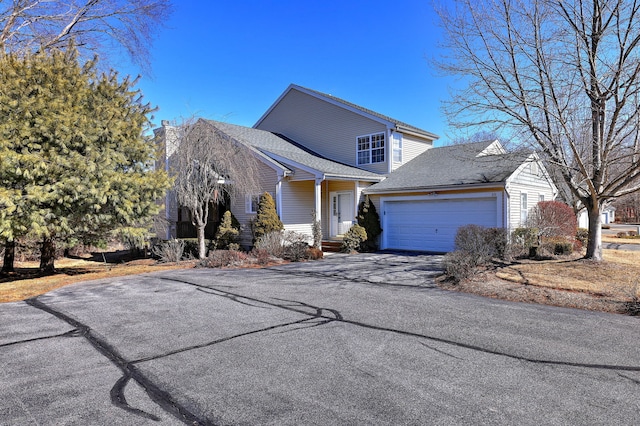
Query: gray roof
point(397, 123)
point(287, 153)
point(454, 165)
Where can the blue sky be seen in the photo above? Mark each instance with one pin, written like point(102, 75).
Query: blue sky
point(230, 60)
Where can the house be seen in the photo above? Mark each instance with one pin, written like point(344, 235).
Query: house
point(607, 216)
point(423, 203)
point(319, 155)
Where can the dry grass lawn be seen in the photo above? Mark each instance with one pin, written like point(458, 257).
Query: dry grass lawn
point(68, 271)
point(617, 277)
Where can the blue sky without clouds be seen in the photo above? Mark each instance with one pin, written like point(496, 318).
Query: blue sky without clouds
point(230, 60)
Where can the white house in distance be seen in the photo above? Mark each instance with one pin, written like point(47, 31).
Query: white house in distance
point(320, 155)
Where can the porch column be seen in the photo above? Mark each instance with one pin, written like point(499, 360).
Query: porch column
point(318, 200)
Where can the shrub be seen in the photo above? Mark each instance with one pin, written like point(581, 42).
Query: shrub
point(224, 258)
point(524, 239)
point(369, 219)
point(228, 233)
point(272, 243)
point(191, 247)
point(633, 233)
point(622, 234)
point(262, 256)
point(482, 243)
point(553, 219)
point(562, 248)
point(314, 253)
point(459, 265)
point(267, 219)
point(582, 235)
point(295, 246)
point(353, 238)
point(170, 251)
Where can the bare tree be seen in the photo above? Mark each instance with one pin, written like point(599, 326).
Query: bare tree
point(561, 74)
point(209, 165)
point(93, 25)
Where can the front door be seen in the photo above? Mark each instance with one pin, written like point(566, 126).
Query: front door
point(342, 212)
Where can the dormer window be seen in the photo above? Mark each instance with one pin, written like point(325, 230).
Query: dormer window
point(371, 148)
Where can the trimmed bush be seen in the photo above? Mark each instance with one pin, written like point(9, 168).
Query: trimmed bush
point(524, 239)
point(353, 238)
point(369, 219)
point(622, 234)
point(267, 219)
point(228, 233)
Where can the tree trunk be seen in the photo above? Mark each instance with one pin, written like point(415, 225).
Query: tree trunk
point(9, 257)
point(202, 248)
point(594, 244)
point(47, 256)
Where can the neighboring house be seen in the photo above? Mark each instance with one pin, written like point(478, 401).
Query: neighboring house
point(607, 216)
point(423, 203)
point(319, 154)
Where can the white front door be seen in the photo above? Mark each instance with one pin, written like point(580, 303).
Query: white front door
point(342, 212)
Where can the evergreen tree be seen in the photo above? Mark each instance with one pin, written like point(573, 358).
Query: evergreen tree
point(74, 161)
point(228, 232)
point(267, 219)
point(369, 219)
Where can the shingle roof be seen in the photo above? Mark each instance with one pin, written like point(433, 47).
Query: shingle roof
point(452, 166)
point(282, 150)
point(397, 123)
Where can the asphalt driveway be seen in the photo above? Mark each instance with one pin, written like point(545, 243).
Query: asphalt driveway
point(362, 339)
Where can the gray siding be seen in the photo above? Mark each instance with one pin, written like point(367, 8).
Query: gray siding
point(324, 128)
point(298, 204)
point(412, 146)
point(268, 179)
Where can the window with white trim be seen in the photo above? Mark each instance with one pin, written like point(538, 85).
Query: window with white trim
point(251, 202)
point(397, 147)
point(370, 148)
point(540, 198)
point(523, 208)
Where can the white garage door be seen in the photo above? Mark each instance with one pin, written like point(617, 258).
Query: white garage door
point(431, 225)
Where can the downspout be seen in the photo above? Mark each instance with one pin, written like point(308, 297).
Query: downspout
point(279, 194)
point(389, 150)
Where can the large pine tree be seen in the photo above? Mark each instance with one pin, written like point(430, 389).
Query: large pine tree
point(74, 161)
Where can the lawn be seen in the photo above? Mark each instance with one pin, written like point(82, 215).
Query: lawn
point(68, 271)
point(617, 277)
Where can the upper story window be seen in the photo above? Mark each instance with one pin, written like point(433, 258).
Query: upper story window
point(371, 148)
point(523, 208)
point(397, 148)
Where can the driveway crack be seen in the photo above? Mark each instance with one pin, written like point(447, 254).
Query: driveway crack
point(160, 397)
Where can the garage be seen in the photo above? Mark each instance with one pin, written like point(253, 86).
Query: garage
point(431, 224)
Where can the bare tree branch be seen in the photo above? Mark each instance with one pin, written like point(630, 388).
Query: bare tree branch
point(564, 76)
point(103, 26)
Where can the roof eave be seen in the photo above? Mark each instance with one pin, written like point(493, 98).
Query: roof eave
point(487, 185)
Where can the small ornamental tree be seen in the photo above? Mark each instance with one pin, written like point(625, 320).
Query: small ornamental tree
point(228, 232)
point(369, 219)
point(553, 219)
point(267, 219)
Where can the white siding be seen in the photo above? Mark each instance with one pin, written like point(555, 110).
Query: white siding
point(534, 185)
point(325, 128)
point(412, 146)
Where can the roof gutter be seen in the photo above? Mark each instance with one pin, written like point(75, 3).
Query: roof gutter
point(435, 188)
